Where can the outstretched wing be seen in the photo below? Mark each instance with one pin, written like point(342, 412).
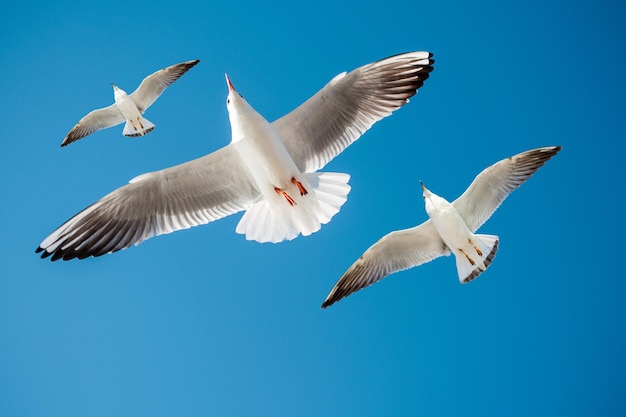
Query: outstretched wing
point(154, 84)
point(494, 184)
point(93, 121)
point(338, 114)
point(186, 195)
point(397, 251)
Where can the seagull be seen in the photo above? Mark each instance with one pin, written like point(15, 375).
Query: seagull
point(269, 169)
point(451, 228)
point(130, 108)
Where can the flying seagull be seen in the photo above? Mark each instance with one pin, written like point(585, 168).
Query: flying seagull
point(268, 169)
point(129, 108)
point(450, 229)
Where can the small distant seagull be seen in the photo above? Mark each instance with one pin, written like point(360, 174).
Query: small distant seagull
point(130, 108)
point(450, 229)
point(268, 169)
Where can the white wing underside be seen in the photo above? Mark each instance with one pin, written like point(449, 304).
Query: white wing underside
point(489, 189)
point(96, 120)
point(337, 115)
point(190, 194)
point(154, 84)
point(396, 251)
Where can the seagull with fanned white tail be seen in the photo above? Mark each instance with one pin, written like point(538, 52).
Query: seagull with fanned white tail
point(451, 228)
point(268, 169)
point(129, 108)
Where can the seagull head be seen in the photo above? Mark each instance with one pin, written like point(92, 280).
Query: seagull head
point(428, 200)
point(117, 92)
point(240, 113)
point(233, 95)
point(427, 194)
point(433, 202)
point(239, 110)
point(234, 99)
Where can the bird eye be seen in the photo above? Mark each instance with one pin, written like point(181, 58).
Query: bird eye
point(228, 100)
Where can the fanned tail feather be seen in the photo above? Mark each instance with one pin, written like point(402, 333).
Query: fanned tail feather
point(488, 245)
point(141, 127)
point(273, 220)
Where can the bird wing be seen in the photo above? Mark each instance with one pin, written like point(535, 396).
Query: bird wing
point(495, 183)
point(93, 121)
point(395, 252)
point(186, 195)
point(338, 114)
point(154, 84)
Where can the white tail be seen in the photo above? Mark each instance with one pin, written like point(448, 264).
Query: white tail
point(273, 220)
point(138, 127)
point(488, 245)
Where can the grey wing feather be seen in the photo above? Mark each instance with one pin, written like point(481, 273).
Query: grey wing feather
point(494, 184)
point(190, 194)
point(338, 114)
point(395, 252)
point(154, 84)
point(93, 121)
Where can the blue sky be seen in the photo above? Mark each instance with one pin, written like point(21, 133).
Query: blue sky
point(202, 322)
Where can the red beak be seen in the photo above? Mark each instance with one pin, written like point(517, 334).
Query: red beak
point(230, 85)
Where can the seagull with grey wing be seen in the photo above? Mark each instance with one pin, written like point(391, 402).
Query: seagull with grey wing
point(269, 170)
point(451, 228)
point(130, 107)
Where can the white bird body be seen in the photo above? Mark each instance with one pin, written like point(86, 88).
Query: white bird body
point(450, 229)
point(136, 124)
point(258, 143)
point(473, 252)
point(286, 208)
point(269, 170)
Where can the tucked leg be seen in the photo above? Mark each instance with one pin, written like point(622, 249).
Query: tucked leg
point(478, 251)
point(290, 200)
point(470, 260)
point(303, 190)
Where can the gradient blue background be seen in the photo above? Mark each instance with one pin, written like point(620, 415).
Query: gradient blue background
point(204, 323)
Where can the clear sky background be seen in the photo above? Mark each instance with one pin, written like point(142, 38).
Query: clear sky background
point(204, 323)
